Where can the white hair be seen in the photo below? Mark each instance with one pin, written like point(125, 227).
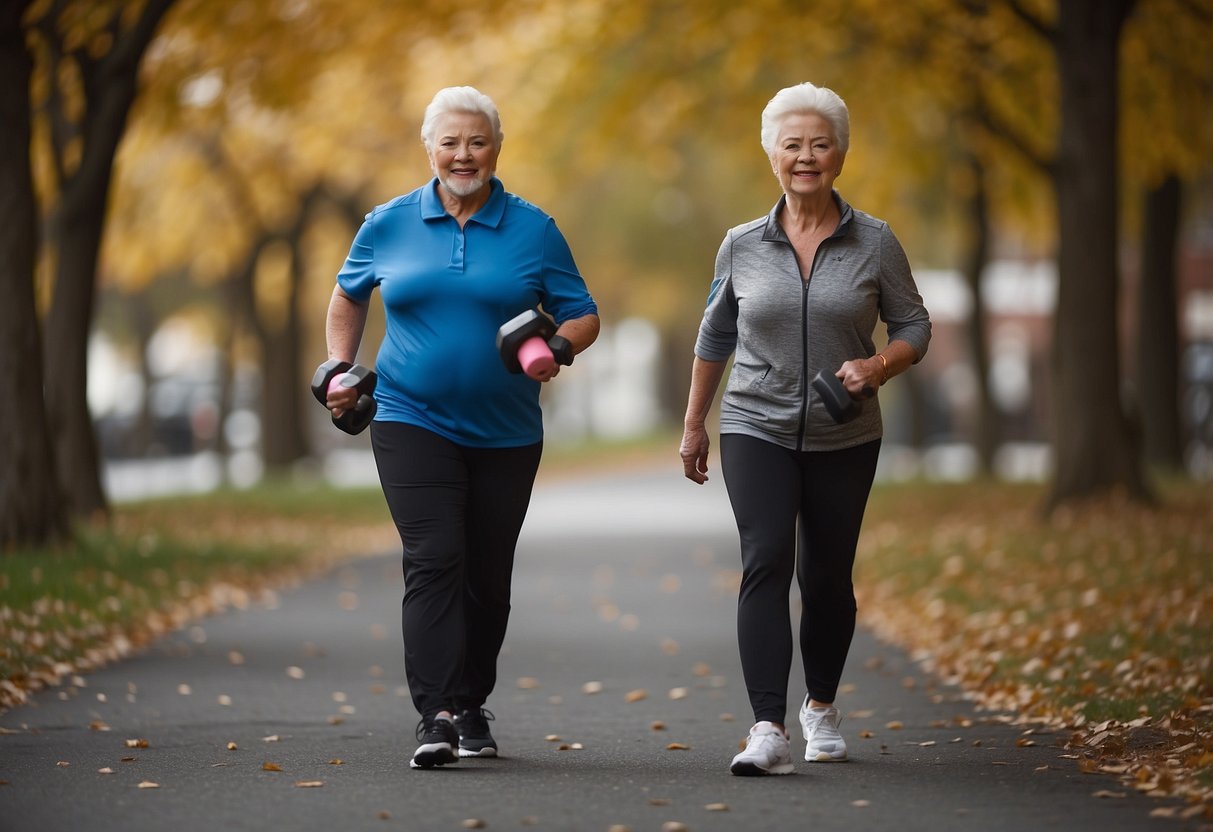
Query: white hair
point(805, 98)
point(459, 100)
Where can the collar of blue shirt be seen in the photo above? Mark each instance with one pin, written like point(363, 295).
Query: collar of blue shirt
point(490, 213)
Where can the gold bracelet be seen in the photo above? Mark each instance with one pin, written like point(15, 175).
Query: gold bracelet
point(885, 365)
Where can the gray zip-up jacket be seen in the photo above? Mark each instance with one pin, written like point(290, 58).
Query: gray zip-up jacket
point(784, 329)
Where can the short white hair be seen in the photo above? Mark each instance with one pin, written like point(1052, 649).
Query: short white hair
point(459, 100)
point(805, 98)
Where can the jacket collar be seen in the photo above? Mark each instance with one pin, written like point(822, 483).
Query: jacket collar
point(490, 213)
point(773, 231)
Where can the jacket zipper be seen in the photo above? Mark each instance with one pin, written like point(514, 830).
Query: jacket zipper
point(804, 349)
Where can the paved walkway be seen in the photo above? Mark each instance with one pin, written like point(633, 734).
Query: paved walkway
point(619, 705)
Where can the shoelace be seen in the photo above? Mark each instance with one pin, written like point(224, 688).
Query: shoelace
point(424, 728)
point(761, 741)
point(477, 719)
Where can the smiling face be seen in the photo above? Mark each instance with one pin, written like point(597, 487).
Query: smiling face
point(464, 154)
point(807, 158)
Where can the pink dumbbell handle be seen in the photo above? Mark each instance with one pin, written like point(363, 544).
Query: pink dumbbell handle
point(336, 383)
point(535, 358)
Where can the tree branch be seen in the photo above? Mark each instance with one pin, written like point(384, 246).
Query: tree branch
point(1032, 21)
point(1011, 137)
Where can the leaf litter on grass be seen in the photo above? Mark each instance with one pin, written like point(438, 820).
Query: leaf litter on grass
point(1095, 622)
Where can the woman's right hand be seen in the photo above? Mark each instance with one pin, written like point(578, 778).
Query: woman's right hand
point(694, 452)
point(339, 398)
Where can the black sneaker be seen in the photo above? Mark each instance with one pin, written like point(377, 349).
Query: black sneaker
point(438, 739)
point(474, 737)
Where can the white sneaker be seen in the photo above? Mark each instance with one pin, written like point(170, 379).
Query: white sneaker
point(767, 751)
point(825, 744)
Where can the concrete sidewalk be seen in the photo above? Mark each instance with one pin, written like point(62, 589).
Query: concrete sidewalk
point(620, 703)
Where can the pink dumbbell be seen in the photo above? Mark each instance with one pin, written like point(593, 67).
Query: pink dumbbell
point(528, 344)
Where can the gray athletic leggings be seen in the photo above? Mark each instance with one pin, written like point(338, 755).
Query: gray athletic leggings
point(770, 488)
point(459, 511)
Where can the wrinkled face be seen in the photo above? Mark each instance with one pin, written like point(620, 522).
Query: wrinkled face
point(807, 159)
point(464, 153)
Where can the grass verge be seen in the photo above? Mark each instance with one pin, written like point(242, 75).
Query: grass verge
point(1095, 623)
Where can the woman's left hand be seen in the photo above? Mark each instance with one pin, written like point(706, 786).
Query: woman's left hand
point(862, 377)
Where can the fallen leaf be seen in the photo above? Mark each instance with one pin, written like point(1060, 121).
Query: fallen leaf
point(895, 725)
point(861, 804)
point(271, 767)
point(674, 826)
point(717, 807)
point(148, 784)
point(137, 743)
point(659, 801)
point(295, 672)
point(679, 693)
point(474, 823)
point(337, 762)
point(677, 746)
point(527, 683)
point(271, 738)
point(591, 688)
point(231, 746)
point(308, 784)
point(384, 815)
point(657, 725)
point(106, 770)
point(636, 695)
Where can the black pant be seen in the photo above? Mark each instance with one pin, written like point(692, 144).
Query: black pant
point(770, 488)
point(459, 511)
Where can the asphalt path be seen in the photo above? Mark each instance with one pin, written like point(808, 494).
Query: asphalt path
point(619, 705)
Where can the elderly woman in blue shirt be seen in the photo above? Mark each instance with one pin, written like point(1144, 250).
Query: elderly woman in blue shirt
point(457, 437)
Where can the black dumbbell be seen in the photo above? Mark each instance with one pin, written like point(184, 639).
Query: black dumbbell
point(355, 419)
point(841, 405)
point(518, 332)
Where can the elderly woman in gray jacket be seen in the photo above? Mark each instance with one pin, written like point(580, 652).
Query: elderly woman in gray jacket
point(795, 292)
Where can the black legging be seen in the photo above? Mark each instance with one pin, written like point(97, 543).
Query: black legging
point(459, 511)
point(770, 488)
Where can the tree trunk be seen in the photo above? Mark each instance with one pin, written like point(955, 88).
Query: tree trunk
point(282, 393)
point(985, 433)
point(67, 329)
point(77, 223)
point(1158, 327)
point(1095, 448)
point(31, 511)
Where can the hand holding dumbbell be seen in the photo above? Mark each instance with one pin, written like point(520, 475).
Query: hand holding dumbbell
point(842, 406)
point(528, 344)
point(334, 374)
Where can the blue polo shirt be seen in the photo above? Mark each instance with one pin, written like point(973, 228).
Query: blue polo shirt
point(446, 290)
